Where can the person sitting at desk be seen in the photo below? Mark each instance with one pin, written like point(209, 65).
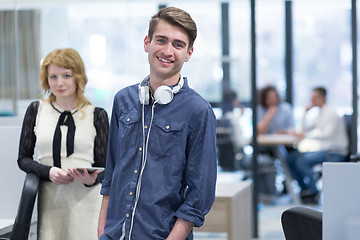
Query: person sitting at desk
point(231, 118)
point(273, 115)
point(230, 136)
point(324, 140)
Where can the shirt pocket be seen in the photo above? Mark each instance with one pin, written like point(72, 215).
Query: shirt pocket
point(128, 126)
point(169, 127)
point(170, 137)
point(129, 118)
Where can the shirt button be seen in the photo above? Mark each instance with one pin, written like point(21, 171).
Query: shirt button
point(167, 127)
point(145, 126)
point(131, 193)
point(127, 215)
point(154, 106)
point(140, 149)
point(136, 171)
point(128, 119)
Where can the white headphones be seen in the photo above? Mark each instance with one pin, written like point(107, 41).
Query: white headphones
point(163, 94)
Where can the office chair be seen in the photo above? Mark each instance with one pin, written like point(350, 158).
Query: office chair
point(301, 223)
point(22, 223)
point(351, 156)
point(225, 147)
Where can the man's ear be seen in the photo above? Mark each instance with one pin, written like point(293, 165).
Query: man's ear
point(146, 43)
point(189, 53)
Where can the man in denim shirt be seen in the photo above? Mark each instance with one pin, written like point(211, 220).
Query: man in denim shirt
point(161, 165)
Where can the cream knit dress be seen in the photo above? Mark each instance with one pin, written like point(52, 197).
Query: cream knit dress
point(71, 211)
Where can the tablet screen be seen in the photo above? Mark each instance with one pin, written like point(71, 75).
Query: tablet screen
point(92, 169)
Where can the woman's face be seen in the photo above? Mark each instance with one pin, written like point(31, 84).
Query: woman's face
point(61, 82)
point(271, 98)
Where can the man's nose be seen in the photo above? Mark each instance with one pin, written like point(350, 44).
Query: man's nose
point(167, 49)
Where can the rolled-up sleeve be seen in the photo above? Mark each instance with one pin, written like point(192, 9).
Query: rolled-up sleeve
point(201, 169)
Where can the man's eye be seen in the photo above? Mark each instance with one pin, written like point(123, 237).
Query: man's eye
point(161, 41)
point(178, 45)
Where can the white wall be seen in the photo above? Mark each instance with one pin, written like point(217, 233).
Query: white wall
point(11, 177)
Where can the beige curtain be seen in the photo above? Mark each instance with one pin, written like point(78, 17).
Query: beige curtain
point(7, 55)
point(26, 46)
point(29, 53)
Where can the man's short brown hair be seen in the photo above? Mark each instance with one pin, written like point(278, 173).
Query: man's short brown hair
point(321, 91)
point(177, 17)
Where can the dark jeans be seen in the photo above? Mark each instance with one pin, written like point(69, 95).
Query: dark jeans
point(301, 166)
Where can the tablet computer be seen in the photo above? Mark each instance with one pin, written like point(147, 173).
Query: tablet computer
point(92, 169)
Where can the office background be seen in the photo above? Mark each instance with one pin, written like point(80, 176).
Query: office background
point(109, 36)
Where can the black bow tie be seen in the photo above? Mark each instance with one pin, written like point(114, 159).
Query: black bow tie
point(66, 119)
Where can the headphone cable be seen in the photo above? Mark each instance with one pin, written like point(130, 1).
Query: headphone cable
point(144, 159)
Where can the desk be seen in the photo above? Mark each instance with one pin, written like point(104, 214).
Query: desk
point(6, 226)
point(279, 141)
point(231, 211)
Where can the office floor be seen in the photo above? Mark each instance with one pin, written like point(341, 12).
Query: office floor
point(269, 215)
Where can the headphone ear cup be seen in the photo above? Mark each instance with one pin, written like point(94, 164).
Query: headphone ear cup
point(144, 95)
point(163, 95)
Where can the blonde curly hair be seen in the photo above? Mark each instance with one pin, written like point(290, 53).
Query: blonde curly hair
point(69, 59)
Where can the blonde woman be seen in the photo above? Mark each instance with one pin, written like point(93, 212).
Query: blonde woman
point(69, 133)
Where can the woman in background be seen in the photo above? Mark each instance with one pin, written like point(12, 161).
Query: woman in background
point(273, 115)
point(69, 133)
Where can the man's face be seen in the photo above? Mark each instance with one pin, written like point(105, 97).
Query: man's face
point(167, 50)
point(316, 99)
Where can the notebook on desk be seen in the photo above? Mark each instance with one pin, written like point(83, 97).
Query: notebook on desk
point(341, 201)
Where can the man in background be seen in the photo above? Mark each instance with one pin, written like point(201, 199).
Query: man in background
point(324, 140)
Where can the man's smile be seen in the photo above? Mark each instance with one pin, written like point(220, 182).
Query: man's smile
point(164, 60)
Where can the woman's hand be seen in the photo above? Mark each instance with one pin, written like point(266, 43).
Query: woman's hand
point(59, 176)
point(83, 176)
point(272, 110)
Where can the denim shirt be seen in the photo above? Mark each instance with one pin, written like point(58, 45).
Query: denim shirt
point(179, 177)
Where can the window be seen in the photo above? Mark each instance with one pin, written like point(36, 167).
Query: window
point(322, 51)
